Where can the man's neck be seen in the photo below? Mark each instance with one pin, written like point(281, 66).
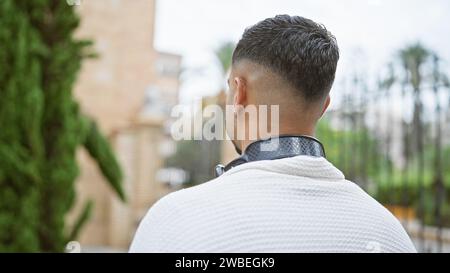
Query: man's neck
point(284, 131)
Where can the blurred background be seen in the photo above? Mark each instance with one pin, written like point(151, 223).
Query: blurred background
point(87, 88)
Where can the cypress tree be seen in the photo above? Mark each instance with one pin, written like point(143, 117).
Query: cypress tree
point(42, 126)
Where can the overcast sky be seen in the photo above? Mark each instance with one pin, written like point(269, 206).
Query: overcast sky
point(375, 28)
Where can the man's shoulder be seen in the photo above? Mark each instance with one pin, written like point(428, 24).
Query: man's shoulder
point(187, 195)
point(167, 218)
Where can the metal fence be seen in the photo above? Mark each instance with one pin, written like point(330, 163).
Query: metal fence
point(393, 139)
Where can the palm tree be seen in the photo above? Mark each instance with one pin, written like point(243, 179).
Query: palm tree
point(413, 59)
point(438, 180)
point(385, 87)
point(406, 140)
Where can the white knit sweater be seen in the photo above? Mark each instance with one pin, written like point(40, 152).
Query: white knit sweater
point(297, 204)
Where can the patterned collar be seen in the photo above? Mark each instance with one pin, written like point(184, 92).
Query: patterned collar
point(276, 148)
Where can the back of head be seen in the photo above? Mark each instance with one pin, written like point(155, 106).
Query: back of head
point(300, 51)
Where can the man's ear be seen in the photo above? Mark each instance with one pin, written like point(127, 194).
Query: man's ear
point(240, 94)
point(325, 105)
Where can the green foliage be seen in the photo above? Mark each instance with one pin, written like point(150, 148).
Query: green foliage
point(402, 188)
point(99, 148)
point(412, 58)
point(357, 154)
point(42, 126)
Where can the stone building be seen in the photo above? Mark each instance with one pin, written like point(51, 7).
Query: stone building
point(128, 90)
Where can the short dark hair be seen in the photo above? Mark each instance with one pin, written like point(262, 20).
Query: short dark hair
point(299, 50)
